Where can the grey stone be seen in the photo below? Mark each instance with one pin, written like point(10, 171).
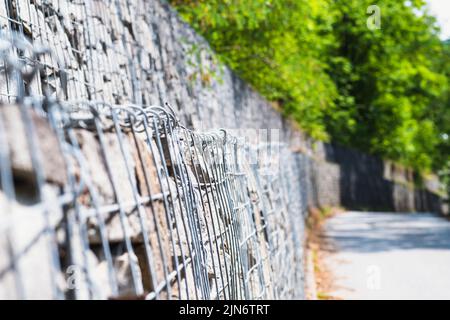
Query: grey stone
point(91, 150)
point(49, 152)
point(31, 246)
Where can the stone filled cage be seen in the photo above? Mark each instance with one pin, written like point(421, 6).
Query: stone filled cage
point(103, 198)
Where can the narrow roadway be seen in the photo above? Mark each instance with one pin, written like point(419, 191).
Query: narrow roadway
point(388, 255)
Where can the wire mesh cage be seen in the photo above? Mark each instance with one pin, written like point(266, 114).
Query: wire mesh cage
point(103, 196)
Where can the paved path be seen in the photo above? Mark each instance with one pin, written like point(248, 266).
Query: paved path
point(389, 255)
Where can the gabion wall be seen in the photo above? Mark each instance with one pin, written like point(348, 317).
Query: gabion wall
point(105, 195)
point(103, 201)
point(133, 51)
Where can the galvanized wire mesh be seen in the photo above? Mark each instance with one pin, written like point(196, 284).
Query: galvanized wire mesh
point(107, 47)
point(117, 199)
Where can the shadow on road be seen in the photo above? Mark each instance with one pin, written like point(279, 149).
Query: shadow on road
point(385, 232)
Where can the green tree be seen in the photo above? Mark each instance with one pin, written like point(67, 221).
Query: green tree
point(389, 81)
point(384, 91)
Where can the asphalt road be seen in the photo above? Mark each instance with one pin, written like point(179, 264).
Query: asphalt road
point(389, 255)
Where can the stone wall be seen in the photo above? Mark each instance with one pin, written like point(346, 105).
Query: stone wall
point(126, 203)
point(150, 211)
point(367, 182)
point(138, 52)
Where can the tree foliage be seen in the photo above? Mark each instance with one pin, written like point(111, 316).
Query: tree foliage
point(384, 91)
